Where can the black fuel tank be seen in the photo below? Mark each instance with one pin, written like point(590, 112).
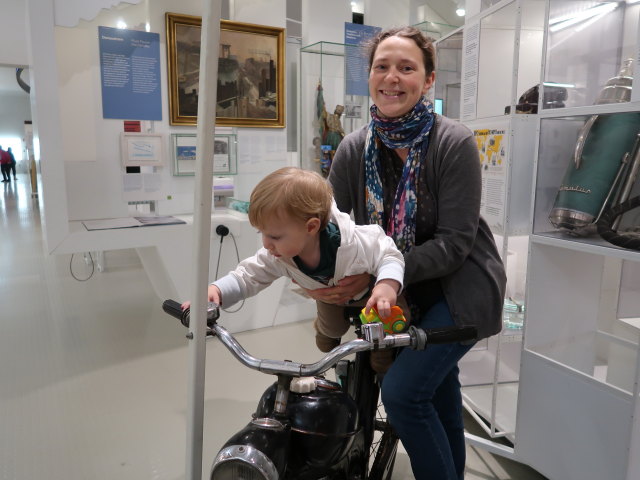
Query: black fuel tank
point(323, 422)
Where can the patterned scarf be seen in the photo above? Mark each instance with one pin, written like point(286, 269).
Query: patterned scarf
point(408, 131)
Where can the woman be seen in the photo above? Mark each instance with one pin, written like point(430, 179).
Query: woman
point(418, 175)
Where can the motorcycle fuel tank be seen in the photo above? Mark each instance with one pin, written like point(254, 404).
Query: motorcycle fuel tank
point(323, 422)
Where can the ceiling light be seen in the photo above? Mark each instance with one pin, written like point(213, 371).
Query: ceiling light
point(460, 11)
point(121, 24)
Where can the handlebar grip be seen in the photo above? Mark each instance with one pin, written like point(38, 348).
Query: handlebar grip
point(421, 337)
point(451, 334)
point(174, 309)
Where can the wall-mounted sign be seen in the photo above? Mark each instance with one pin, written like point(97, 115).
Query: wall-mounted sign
point(130, 74)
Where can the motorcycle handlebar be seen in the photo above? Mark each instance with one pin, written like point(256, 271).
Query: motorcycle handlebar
point(415, 338)
point(174, 309)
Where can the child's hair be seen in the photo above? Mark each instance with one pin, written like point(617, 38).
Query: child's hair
point(292, 193)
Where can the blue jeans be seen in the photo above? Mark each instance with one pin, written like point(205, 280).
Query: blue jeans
point(422, 398)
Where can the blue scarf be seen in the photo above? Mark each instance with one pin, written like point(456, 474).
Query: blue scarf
point(408, 131)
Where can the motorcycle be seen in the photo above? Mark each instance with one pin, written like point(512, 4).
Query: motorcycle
point(307, 427)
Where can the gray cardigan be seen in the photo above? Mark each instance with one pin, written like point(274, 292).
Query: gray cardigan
point(462, 255)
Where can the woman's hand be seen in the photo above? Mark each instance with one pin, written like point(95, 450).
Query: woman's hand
point(346, 289)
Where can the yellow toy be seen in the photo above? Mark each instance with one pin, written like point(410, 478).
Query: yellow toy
point(394, 323)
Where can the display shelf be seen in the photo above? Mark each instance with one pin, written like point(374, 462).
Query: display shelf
point(581, 169)
point(479, 399)
point(478, 366)
point(591, 244)
point(589, 110)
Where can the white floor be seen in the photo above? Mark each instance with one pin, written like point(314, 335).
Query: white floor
point(92, 373)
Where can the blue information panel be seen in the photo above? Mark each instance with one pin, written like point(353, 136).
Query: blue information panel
point(356, 62)
point(130, 73)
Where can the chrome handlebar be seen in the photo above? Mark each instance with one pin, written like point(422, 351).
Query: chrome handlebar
point(373, 338)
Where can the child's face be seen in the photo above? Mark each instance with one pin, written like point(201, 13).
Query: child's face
point(288, 238)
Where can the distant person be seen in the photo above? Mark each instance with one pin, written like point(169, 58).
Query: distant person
point(13, 163)
point(5, 165)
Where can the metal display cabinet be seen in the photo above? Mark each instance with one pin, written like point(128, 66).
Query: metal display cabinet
point(578, 408)
point(323, 64)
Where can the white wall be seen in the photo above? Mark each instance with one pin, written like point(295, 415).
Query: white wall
point(422, 12)
point(13, 37)
point(323, 20)
point(388, 14)
point(15, 110)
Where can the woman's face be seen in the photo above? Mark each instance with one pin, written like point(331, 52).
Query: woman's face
point(398, 78)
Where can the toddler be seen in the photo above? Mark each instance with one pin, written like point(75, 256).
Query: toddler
point(306, 238)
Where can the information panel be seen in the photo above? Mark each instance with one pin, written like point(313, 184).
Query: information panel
point(356, 62)
point(493, 148)
point(130, 74)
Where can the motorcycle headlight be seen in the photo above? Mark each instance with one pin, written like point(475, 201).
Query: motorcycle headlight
point(243, 462)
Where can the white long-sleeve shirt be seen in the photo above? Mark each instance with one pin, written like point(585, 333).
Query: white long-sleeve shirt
point(363, 249)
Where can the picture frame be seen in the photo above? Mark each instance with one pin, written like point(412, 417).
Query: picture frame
point(250, 72)
point(184, 154)
point(141, 149)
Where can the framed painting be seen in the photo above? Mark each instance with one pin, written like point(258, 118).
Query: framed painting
point(250, 72)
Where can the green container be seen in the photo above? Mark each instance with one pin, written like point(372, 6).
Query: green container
point(587, 182)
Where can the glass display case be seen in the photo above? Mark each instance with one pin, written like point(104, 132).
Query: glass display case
point(435, 30)
point(580, 365)
point(490, 371)
point(587, 163)
point(508, 45)
point(496, 60)
point(589, 43)
point(448, 75)
point(502, 62)
point(327, 112)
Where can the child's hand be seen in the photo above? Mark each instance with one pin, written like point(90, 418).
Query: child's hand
point(383, 296)
point(213, 295)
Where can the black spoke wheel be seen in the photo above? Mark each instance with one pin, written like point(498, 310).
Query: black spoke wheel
point(384, 448)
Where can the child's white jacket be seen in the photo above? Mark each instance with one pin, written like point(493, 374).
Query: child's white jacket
point(363, 249)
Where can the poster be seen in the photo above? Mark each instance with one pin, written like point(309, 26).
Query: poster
point(493, 150)
point(471, 46)
point(356, 63)
point(130, 74)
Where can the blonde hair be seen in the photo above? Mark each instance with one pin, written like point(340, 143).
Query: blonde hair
point(290, 193)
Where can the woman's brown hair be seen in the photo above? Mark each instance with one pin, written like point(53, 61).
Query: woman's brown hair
point(424, 43)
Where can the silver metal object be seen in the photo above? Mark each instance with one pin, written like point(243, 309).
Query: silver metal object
point(618, 88)
point(373, 332)
point(296, 369)
point(632, 176)
point(248, 455)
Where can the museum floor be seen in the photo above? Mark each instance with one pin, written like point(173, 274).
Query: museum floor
point(93, 373)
